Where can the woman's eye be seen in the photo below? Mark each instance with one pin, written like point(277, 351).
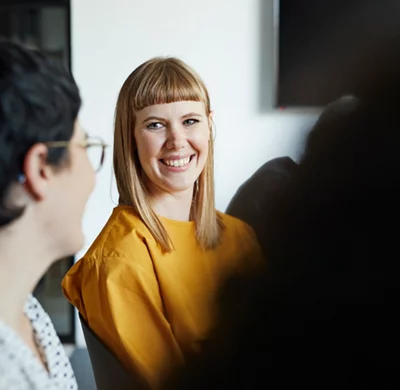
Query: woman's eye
point(189, 122)
point(154, 126)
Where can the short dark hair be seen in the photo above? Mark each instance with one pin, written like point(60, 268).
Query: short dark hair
point(39, 102)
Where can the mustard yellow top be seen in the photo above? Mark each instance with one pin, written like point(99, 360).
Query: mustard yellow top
point(152, 309)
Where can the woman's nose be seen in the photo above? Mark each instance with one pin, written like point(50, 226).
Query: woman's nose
point(176, 138)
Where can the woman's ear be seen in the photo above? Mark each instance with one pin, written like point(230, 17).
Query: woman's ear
point(37, 172)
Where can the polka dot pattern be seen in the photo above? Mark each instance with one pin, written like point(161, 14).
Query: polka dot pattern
point(20, 369)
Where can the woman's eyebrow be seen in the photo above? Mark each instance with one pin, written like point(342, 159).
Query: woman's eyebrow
point(153, 118)
point(192, 114)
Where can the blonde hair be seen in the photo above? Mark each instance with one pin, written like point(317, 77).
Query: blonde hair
point(157, 81)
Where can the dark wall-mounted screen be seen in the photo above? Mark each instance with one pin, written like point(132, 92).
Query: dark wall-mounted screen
point(322, 44)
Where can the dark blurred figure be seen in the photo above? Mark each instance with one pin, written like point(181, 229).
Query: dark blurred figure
point(253, 198)
point(324, 316)
point(256, 199)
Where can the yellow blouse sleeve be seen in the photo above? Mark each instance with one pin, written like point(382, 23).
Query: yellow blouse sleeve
point(122, 305)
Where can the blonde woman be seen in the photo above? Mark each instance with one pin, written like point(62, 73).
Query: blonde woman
point(147, 284)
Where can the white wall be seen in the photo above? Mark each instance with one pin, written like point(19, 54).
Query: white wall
point(229, 42)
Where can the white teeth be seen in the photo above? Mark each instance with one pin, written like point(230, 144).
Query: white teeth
point(177, 163)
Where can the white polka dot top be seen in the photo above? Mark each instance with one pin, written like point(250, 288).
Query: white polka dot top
point(20, 369)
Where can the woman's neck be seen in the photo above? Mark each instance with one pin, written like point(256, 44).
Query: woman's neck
point(15, 287)
point(23, 261)
point(175, 206)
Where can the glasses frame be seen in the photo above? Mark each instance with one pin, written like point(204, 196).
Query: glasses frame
point(87, 143)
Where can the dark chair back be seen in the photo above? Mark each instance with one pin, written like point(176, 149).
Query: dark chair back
point(109, 373)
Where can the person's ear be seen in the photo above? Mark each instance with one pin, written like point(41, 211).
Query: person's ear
point(37, 172)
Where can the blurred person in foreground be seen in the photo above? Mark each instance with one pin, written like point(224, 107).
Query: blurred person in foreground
point(324, 315)
point(256, 199)
point(45, 180)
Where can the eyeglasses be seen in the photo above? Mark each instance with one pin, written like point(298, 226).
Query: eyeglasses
point(95, 149)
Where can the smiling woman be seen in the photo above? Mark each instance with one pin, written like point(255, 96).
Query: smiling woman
point(172, 143)
point(147, 285)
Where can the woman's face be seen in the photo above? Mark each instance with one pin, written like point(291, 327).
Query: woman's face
point(172, 144)
point(70, 190)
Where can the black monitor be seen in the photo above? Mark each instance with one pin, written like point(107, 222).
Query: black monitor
point(323, 44)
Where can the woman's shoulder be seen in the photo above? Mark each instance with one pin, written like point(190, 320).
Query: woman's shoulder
point(124, 219)
point(238, 243)
point(123, 233)
point(234, 225)
point(117, 258)
point(237, 232)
